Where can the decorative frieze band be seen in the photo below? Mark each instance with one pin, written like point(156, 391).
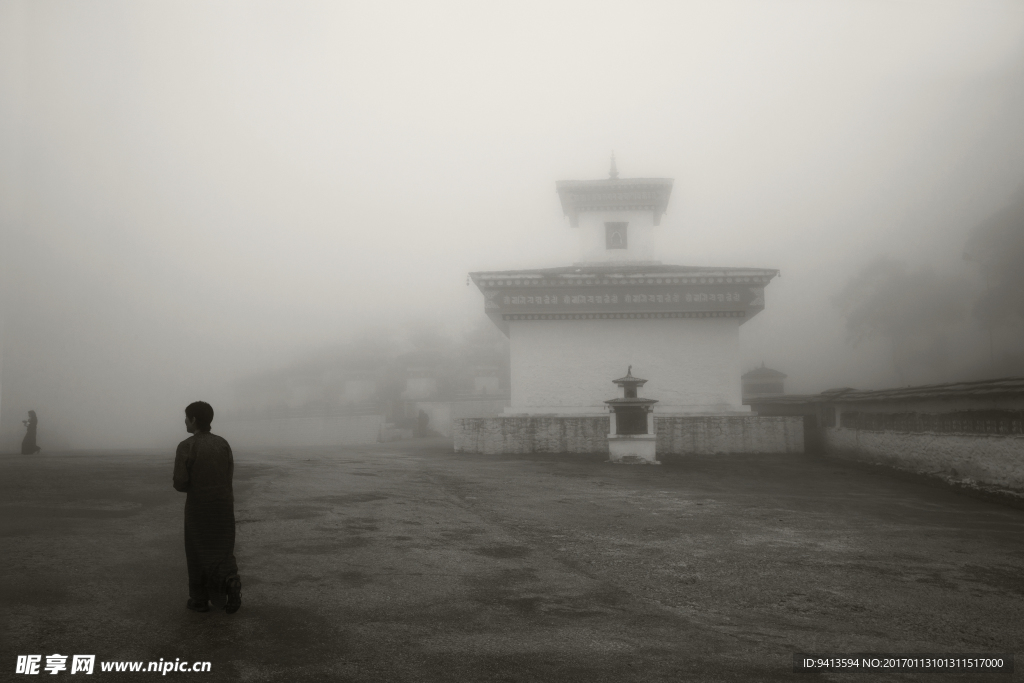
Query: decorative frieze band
point(580, 282)
point(601, 316)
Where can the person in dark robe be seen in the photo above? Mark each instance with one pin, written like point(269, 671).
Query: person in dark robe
point(28, 444)
point(203, 469)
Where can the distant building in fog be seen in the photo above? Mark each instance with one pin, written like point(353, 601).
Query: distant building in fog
point(334, 394)
point(762, 381)
point(421, 383)
point(486, 380)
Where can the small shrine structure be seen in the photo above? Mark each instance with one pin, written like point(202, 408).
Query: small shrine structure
point(631, 438)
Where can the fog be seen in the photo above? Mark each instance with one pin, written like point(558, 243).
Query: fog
point(193, 192)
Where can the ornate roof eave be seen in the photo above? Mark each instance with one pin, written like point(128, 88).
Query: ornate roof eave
point(622, 291)
point(623, 273)
point(631, 401)
point(621, 194)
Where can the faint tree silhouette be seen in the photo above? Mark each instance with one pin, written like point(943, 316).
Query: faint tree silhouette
point(996, 248)
point(914, 311)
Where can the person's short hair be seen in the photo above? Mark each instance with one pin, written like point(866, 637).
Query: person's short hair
point(201, 413)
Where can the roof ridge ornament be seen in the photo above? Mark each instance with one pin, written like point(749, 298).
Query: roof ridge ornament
point(613, 172)
point(629, 379)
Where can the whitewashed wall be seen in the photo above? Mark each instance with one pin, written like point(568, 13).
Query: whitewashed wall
point(567, 366)
point(641, 236)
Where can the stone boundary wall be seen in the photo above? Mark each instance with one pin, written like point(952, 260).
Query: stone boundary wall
point(987, 459)
point(533, 434)
point(301, 432)
point(443, 412)
point(676, 435)
point(709, 435)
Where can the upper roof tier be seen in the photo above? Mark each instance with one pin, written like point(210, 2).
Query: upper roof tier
point(629, 379)
point(614, 194)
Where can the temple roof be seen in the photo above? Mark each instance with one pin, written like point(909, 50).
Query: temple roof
point(631, 401)
point(622, 290)
point(1013, 386)
point(615, 194)
point(584, 273)
point(629, 379)
point(989, 387)
point(763, 373)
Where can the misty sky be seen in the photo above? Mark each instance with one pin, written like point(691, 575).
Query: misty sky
point(192, 190)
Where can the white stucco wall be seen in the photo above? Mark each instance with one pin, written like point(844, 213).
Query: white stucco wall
point(640, 243)
point(567, 366)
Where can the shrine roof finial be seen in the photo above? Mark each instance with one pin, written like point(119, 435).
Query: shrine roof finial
point(629, 379)
point(613, 172)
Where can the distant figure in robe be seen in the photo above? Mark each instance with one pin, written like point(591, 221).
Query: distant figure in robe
point(421, 423)
point(28, 444)
point(204, 468)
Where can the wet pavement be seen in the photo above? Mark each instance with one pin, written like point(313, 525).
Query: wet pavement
point(407, 562)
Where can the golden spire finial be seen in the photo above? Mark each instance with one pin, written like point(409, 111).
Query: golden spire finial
point(613, 172)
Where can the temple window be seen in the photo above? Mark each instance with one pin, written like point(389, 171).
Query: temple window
point(615, 235)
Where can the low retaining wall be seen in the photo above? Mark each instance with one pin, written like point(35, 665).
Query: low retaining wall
point(676, 435)
point(988, 459)
point(301, 432)
point(534, 434)
point(733, 434)
point(442, 413)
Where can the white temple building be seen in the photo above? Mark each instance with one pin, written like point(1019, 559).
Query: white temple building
point(572, 330)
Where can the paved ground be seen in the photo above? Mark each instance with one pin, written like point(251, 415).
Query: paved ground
point(410, 563)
